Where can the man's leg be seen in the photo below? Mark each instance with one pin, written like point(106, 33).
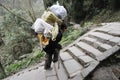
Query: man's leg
point(48, 61)
point(56, 52)
point(56, 55)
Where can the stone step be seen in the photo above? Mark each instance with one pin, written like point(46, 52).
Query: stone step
point(102, 37)
point(65, 56)
point(87, 70)
point(91, 51)
point(88, 40)
point(116, 26)
point(91, 41)
point(34, 74)
point(110, 32)
point(105, 30)
point(80, 56)
point(76, 51)
point(77, 77)
point(50, 73)
point(115, 32)
point(52, 78)
point(60, 71)
point(72, 67)
point(96, 44)
point(109, 52)
point(104, 47)
point(85, 60)
point(115, 40)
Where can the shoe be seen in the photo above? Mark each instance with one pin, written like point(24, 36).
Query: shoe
point(54, 61)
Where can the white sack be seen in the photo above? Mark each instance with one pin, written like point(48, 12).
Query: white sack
point(40, 26)
point(59, 11)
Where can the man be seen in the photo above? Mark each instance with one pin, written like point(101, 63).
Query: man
point(53, 48)
point(49, 29)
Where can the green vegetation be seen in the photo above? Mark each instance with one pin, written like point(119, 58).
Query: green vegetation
point(35, 57)
point(17, 41)
point(70, 35)
point(85, 10)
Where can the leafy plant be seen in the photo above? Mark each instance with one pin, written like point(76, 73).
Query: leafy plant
point(30, 60)
point(70, 35)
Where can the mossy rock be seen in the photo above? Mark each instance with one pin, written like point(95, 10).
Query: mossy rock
point(20, 49)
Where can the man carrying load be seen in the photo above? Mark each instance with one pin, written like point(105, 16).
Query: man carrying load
point(49, 29)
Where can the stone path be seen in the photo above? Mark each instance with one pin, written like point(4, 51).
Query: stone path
point(79, 58)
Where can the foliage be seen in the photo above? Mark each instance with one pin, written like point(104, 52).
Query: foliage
point(83, 10)
point(17, 38)
point(13, 26)
point(16, 34)
point(35, 57)
point(106, 16)
point(12, 68)
point(70, 35)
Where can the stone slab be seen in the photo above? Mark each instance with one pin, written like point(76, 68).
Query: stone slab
point(52, 78)
point(85, 59)
point(76, 51)
point(103, 29)
point(72, 67)
point(114, 27)
point(115, 40)
point(50, 72)
point(89, 49)
point(36, 74)
point(109, 52)
point(88, 40)
point(65, 56)
point(97, 44)
point(90, 68)
point(77, 77)
point(101, 35)
point(61, 73)
point(114, 32)
point(104, 47)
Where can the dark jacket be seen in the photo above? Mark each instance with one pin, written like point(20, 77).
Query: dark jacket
point(54, 44)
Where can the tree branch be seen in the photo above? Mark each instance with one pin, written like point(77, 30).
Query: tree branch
point(34, 17)
point(14, 13)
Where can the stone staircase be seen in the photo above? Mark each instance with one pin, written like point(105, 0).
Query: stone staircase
point(82, 56)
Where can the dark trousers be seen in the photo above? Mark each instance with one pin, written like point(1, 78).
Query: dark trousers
point(51, 56)
point(52, 51)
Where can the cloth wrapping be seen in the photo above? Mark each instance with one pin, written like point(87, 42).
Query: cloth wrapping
point(47, 27)
point(40, 26)
point(59, 11)
point(50, 17)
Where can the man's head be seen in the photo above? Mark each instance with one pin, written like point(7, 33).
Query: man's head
point(63, 27)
